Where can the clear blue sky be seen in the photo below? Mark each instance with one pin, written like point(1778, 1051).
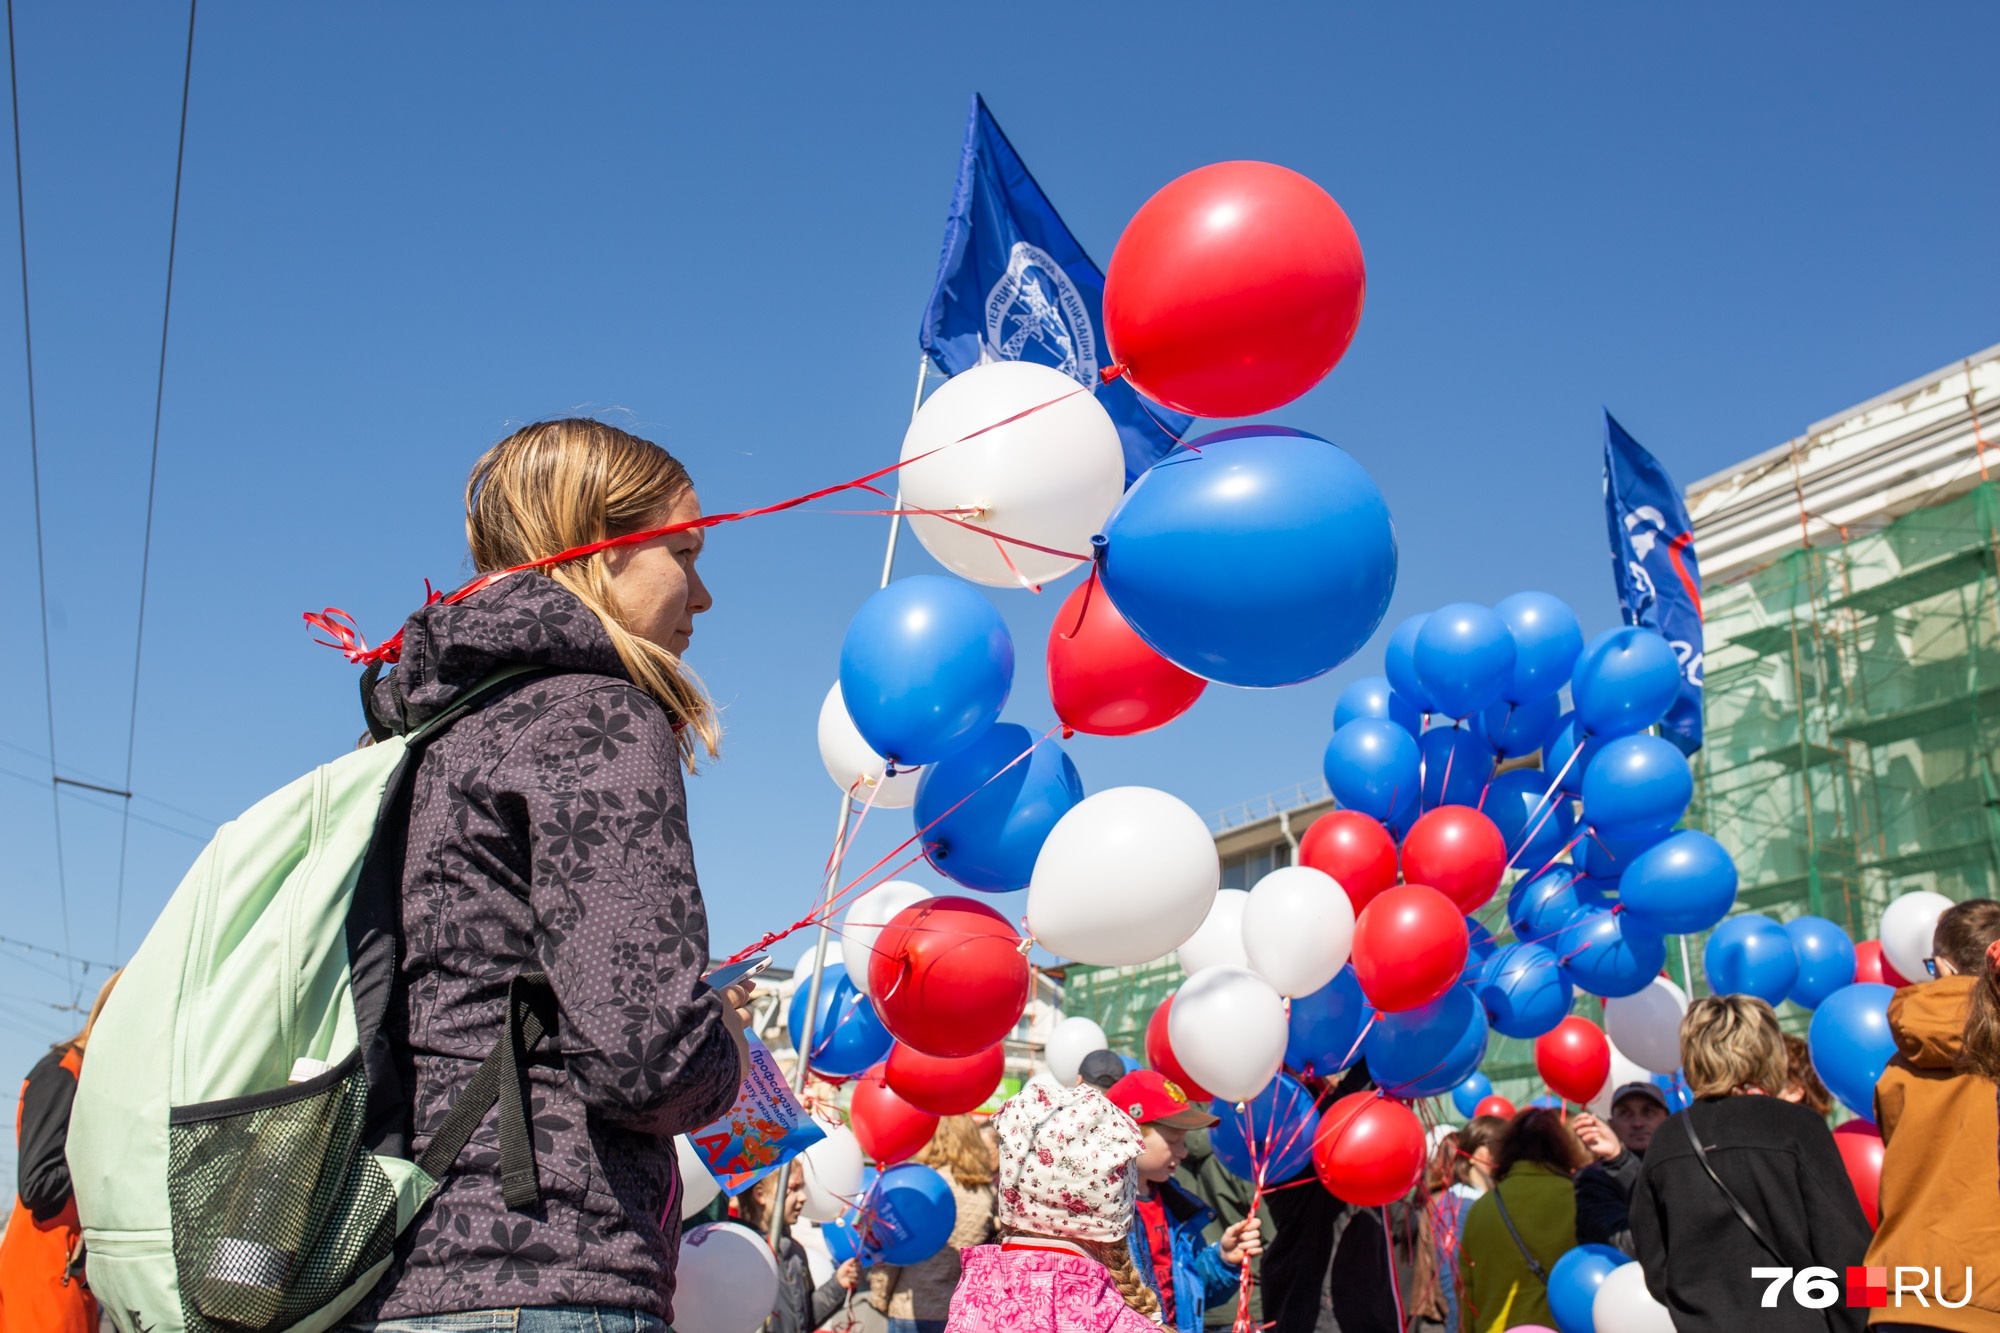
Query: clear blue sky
point(405, 230)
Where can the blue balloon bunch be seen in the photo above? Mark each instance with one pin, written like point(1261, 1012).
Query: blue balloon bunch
point(1278, 1121)
point(848, 1036)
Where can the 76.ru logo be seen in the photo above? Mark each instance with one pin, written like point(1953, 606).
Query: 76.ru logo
point(1816, 1288)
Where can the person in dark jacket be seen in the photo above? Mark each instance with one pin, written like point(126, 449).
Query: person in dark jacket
point(801, 1306)
point(1309, 1221)
point(548, 833)
point(1776, 1158)
point(1604, 1188)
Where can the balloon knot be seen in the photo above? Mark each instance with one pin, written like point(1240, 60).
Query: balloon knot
point(1116, 370)
point(1068, 731)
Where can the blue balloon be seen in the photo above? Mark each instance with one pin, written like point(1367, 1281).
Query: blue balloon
point(1675, 1089)
point(1562, 744)
point(925, 668)
point(1371, 765)
point(1465, 1098)
point(1399, 663)
point(848, 1038)
point(913, 1211)
point(1456, 764)
point(1253, 556)
point(1536, 830)
point(1465, 657)
point(1751, 955)
point(1851, 1043)
point(1549, 1101)
point(1682, 884)
point(1574, 1281)
point(1479, 951)
point(1604, 854)
point(1429, 1050)
point(1547, 642)
point(1826, 960)
point(990, 841)
point(1636, 784)
point(1524, 991)
point(1625, 681)
point(1372, 696)
point(1515, 729)
point(1610, 954)
point(1280, 1120)
point(1325, 1026)
point(1539, 908)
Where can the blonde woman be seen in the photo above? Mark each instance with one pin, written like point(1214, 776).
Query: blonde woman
point(1764, 1187)
point(917, 1299)
point(548, 833)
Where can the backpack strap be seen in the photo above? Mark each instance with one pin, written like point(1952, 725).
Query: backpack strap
point(502, 1078)
point(1534, 1264)
point(1736, 1206)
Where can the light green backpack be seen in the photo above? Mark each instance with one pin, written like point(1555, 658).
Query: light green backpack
point(239, 1140)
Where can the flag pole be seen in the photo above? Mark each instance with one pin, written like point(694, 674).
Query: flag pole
point(801, 1059)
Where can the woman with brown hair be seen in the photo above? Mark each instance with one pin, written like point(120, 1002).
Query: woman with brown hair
point(1742, 1178)
point(1515, 1232)
point(548, 833)
point(1936, 1107)
point(42, 1285)
point(917, 1299)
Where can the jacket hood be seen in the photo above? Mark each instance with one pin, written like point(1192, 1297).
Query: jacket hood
point(1929, 1021)
point(525, 618)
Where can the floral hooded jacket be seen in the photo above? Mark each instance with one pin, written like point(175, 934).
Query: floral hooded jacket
point(548, 831)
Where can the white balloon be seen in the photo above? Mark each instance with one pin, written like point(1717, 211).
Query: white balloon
point(1624, 1070)
point(1219, 940)
point(1227, 1027)
point(1622, 1304)
point(1069, 1041)
point(698, 1187)
point(866, 916)
point(1125, 877)
point(1907, 926)
point(1050, 474)
point(854, 767)
point(726, 1282)
point(1647, 1026)
point(1298, 928)
point(802, 971)
point(832, 1170)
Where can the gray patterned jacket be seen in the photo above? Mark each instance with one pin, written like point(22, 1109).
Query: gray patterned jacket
point(548, 830)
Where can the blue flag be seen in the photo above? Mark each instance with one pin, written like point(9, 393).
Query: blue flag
point(1014, 285)
point(1652, 554)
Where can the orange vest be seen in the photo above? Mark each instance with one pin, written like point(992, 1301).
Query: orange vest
point(37, 1292)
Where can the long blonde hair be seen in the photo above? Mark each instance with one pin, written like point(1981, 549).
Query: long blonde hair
point(958, 1149)
point(560, 484)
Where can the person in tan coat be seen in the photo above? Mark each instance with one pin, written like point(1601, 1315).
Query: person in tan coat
point(917, 1299)
point(1938, 1106)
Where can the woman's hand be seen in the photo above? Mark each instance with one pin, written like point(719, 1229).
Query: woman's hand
point(848, 1274)
point(736, 1017)
point(1242, 1241)
point(1597, 1137)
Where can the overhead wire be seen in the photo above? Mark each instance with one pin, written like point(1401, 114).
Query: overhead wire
point(35, 472)
point(152, 485)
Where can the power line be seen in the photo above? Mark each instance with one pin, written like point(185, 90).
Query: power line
point(35, 471)
point(47, 952)
point(152, 484)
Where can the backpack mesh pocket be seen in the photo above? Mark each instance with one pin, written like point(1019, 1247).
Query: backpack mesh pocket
point(277, 1206)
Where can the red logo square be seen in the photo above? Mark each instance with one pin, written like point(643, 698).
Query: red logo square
point(1867, 1287)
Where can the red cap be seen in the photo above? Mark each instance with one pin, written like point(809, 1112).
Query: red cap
point(1150, 1098)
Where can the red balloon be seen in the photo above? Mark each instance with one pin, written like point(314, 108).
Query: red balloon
point(1356, 850)
point(1160, 1055)
point(1860, 1145)
point(1495, 1105)
point(948, 976)
point(1103, 679)
point(1871, 964)
point(1459, 852)
point(1574, 1059)
point(1369, 1150)
point(941, 1086)
point(890, 1129)
point(1409, 947)
point(1233, 290)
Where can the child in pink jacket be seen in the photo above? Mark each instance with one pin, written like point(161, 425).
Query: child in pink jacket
point(1066, 1188)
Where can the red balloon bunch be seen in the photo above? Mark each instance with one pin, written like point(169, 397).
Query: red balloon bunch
point(890, 1129)
point(1103, 679)
point(1356, 850)
point(948, 977)
point(1495, 1105)
point(1234, 290)
point(1369, 1150)
point(1160, 1054)
point(1459, 852)
point(1409, 947)
point(1860, 1145)
point(944, 1086)
point(1574, 1059)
